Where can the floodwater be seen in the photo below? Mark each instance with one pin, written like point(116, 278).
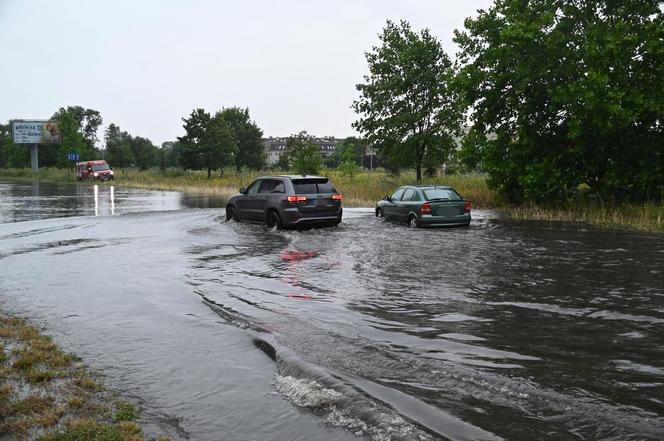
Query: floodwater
point(503, 330)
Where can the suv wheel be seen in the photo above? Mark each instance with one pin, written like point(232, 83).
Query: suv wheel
point(230, 214)
point(273, 220)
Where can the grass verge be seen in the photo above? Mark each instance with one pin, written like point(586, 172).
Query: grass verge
point(636, 217)
point(46, 394)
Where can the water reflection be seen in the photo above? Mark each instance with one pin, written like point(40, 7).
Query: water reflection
point(111, 193)
point(96, 187)
point(23, 201)
point(293, 271)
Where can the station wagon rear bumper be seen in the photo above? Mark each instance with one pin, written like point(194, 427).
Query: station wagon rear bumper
point(437, 221)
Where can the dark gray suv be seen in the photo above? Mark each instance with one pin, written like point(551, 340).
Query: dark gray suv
point(287, 202)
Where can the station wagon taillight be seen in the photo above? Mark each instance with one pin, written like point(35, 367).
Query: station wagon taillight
point(467, 207)
point(297, 199)
point(425, 208)
point(336, 197)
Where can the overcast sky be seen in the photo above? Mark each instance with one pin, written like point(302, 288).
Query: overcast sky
point(146, 64)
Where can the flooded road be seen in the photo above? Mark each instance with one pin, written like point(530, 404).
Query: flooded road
point(503, 330)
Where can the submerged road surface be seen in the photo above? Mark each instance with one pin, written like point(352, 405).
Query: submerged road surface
point(504, 330)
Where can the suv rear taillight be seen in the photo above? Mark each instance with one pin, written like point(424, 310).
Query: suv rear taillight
point(467, 207)
point(336, 197)
point(297, 199)
point(425, 208)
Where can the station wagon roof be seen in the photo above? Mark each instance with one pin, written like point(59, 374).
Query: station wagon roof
point(421, 187)
point(301, 177)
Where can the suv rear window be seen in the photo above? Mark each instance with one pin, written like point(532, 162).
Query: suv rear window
point(313, 186)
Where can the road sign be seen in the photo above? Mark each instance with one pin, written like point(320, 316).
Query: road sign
point(73, 156)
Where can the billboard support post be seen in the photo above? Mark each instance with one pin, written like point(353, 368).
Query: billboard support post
point(34, 158)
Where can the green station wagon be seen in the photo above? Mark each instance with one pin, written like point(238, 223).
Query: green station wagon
point(425, 206)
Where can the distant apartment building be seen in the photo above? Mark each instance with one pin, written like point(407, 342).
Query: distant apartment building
point(275, 147)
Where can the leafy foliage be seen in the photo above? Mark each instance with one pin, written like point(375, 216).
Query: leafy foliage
point(78, 133)
point(16, 155)
point(408, 109)
point(248, 137)
point(71, 140)
point(349, 166)
point(572, 93)
point(168, 154)
point(304, 156)
point(357, 146)
point(118, 147)
point(87, 120)
point(145, 153)
point(284, 161)
point(209, 142)
point(125, 150)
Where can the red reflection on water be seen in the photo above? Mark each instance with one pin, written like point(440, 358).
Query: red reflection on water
point(295, 256)
point(292, 277)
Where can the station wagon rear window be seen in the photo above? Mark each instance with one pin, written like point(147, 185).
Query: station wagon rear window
point(441, 193)
point(313, 186)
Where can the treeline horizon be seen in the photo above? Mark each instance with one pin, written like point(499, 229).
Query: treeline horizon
point(213, 142)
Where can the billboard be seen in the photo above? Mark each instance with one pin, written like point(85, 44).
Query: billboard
point(35, 132)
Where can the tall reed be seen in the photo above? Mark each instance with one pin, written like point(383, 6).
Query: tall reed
point(639, 217)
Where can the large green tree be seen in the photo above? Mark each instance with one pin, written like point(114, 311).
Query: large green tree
point(407, 107)
point(125, 150)
point(565, 93)
point(87, 120)
point(209, 142)
point(248, 137)
point(118, 147)
point(71, 140)
point(145, 153)
point(195, 127)
point(305, 157)
point(168, 154)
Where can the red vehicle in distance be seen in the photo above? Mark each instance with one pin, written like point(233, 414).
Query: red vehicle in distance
point(99, 170)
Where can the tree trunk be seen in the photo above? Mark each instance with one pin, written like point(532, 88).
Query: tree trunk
point(209, 172)
point(420, 157)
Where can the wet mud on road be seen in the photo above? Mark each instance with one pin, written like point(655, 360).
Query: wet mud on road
point(504, 330)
